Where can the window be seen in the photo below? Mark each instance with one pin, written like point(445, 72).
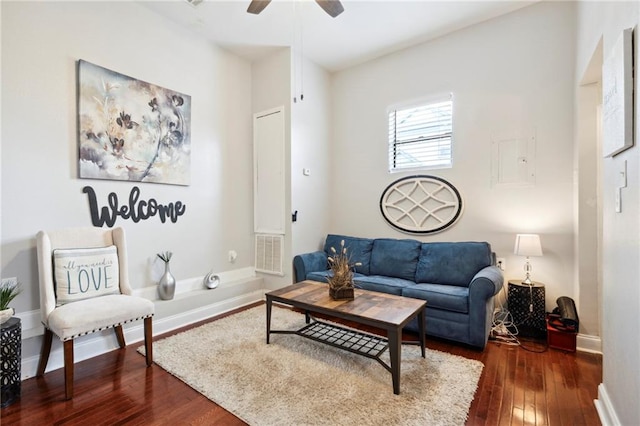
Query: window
point(420, 135)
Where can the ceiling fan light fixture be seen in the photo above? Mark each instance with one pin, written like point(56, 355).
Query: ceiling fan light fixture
point(332, 7)
point(257, 6)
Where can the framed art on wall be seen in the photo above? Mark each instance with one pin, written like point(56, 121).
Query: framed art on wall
point(617, 96)
point(131, 130)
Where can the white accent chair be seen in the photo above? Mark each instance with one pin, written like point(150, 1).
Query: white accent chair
point(81, 317)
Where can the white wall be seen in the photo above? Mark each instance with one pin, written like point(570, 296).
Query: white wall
point(271, 88)
point(620, 391)
point(510, 77)
point(588, 221)
point(41, 42)
point(311, 149)
point(308, 127)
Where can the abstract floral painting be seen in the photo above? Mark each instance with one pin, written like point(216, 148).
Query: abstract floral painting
point(131, 130)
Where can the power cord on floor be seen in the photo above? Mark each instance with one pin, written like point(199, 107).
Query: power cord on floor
point(502, 325)
point(505, 330)
point(543, 346)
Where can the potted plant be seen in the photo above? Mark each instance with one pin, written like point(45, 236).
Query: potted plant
point(341, 279)
point(8, 291)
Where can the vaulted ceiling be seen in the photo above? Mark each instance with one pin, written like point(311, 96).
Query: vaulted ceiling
point(365, 30)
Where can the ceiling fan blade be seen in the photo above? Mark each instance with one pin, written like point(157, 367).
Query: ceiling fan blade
point(332, 7)
point(257, 6)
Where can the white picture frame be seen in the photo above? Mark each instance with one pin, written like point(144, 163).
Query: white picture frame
point(617, 96)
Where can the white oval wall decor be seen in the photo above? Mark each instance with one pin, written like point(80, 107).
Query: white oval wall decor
point(421, 204)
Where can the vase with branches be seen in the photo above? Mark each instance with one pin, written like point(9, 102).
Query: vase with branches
point(341, 279)
point(167, 283)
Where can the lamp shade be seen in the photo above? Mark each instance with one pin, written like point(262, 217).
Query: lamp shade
point(528, 245)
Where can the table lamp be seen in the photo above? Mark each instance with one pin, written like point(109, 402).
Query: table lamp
point(528, 245)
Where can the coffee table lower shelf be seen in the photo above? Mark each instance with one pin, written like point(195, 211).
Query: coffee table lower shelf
point(386, 312)
point(368, 345)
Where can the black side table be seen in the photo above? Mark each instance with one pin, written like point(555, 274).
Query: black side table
point(10, 345)
point(526, 304)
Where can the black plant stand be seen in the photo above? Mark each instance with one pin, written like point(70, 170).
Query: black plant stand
point(10, 344)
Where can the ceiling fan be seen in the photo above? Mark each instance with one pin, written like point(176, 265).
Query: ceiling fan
point(332, 7)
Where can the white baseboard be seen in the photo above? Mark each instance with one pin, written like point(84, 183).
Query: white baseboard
point(187, 285)
point(91, 345)
point(605, 409)
point(587, 343)
point(31, 320)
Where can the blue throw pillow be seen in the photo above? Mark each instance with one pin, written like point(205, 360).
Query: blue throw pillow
point(395, 258)
point(358, 249)
point(452, 263)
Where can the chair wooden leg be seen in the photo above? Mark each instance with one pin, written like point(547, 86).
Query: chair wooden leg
point(44, 352)
point(120, 336)
point(148, 335)
point(68, 369)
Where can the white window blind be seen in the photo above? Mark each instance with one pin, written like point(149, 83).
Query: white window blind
point(420, 135)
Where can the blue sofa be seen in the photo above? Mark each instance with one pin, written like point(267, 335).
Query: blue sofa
point(458, 280)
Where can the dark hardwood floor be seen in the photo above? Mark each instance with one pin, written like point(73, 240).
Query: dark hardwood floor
point(517, 387)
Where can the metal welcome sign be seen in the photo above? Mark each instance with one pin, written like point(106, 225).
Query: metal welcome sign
point(134, 208)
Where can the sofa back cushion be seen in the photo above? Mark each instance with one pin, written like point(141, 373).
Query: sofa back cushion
point(358, 250)
point(452, 263)
point(395, 258)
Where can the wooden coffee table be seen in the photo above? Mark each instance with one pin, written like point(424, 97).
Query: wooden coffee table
point(384, 311)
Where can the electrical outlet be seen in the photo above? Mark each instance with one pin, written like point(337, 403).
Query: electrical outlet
point(233, 255)
point(501, 263)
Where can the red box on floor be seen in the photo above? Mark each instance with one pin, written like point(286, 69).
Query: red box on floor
point(563, 340)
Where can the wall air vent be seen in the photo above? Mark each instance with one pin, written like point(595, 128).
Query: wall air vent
point(269, 248)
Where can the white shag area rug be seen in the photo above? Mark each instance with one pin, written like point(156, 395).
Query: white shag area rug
point(296, 381)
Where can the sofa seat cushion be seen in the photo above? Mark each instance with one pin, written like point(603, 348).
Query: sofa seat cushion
point(452, 263)
point(323, 276)
point(358, 250)
point(395, 258)
point(382, 284)
point(320, 276)
point(441, 296)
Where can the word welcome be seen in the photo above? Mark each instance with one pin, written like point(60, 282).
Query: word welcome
point(134, 209)
point(84, 278)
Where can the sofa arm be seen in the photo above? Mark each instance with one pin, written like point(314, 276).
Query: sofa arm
point(305, 263)
point(482, 289)
point(486, 283)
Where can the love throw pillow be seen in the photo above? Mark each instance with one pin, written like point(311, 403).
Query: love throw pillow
point(85, 273)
